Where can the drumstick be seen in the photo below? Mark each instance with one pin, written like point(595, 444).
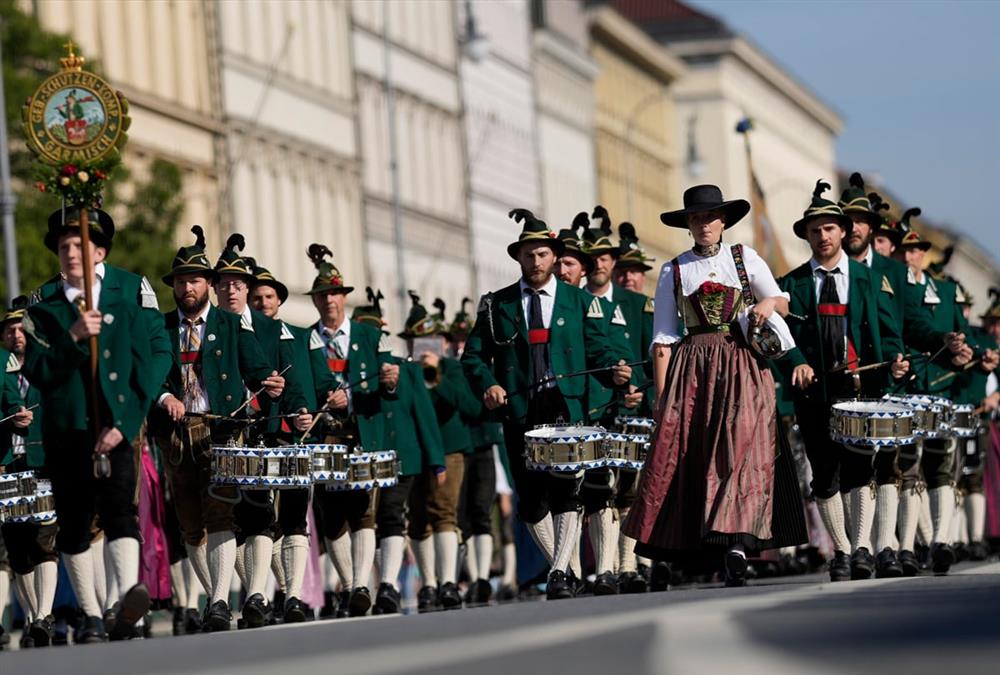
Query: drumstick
point(873, 366)
point(10, 417)
point(954, 373)
point(257, 393)
point(640, 388)
point(563, 376)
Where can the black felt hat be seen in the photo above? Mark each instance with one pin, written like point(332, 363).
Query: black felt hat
point(597, 240)
point(100, 225)
point(993, 313)
point(463, 322)
point(702, 198)
point(328, 277)
point(191, 259)
point(854, 201)
point(420, 322)
point(887, 226)
point(18, 308)
point(821, 207)
point(533, 230)
point(231, 260)
point(371, 313)
point(911, 238)
point(631, 254)
point(263, 277)
point(573, 242)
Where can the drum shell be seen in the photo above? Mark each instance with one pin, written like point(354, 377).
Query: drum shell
point(871, 423)
point(964, 421)
point(262, 468)
point(626, 450)
point(329, 462)
point(564, 449)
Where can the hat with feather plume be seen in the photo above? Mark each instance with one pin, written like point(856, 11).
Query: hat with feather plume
point(191, 259)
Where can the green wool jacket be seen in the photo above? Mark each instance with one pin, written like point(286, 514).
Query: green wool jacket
point(277, 343)
point(411, 427)
point(969, 386)
point(138, 289)
point(363, 361)
point(600, 389)
point(10, 403)
point(231, 362)
point(946, 316)
point(60, 368)
point(34, 454)
point(454, 404)
point(867, 318)
point(301, 364)
point(905, 303)
point(578, 341)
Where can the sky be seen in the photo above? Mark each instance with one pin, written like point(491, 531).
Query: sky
point(917, 83)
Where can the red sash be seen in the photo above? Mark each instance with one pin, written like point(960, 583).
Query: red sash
point(538, 336)
point(189, 358)
point(829, 309)
point(337, 365)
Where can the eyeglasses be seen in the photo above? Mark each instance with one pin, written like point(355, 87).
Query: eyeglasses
point(234, 285)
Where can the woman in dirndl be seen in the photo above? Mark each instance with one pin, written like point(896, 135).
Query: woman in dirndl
point(708, 485)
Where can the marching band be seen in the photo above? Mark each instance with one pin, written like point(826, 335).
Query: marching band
point(646, 439)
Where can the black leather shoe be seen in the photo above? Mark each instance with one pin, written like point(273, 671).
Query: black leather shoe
point(887, 565)
point(942, 558)
point(558, 586)
point(659, 577)
point(41, 632)
point(192, 621)
point(978, 551)
point(606, 583)
point(632, 582)
point(92, 631)
point(218, 617)
point(329, 608)
point(25, 642)
point(360, 602)
point(386, 600)
point(506, 594)
point(4, 638)
point(840, 566)
point(343, 605)
point(479, 593)
point(110, 618)
point(862, 564)
point(735, 567)
point(449, 596)
point(256, 611)
point(129, 611)
point(909, 563)
point(427, 599)
point(295, 611)
point(178, 621)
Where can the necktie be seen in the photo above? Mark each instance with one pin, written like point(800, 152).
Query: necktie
point(539, 351)
point(189, 361)
point(831, 322)
point(336, 355)
point(22, 385)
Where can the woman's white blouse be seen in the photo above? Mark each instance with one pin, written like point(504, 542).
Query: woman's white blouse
point(695, 271)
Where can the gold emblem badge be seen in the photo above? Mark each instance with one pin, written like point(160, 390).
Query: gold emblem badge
point(886, 286)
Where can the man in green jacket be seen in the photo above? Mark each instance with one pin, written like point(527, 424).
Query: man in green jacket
point(528, 342)
point(351, 374)
point(411, 429)
point(78, 446)
point(215, 361)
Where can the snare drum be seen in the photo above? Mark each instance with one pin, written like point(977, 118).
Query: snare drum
point(329, 462)
point(932, 414)
point(871, 423)
point(626, 451)
point(385, 468)
point(964, 421)
point(367, 471)
point(45, 504)
point(639, 426)
point(564, 448)
point(279, 468)
point(17, 495)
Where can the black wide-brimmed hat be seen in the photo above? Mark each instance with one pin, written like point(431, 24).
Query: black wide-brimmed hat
point(18, 308)
point(702, 198)
point(855, 202)
point(191, 259)
point(371, 313)
point(597, 240)
point(263, 277)
point(232, 261)
point(100, 226)
point(631, 255)
point(821, 207)
point(533, 230)
point(887, 227)
point(328, 278)
point(573, 243)
point(911, 238)
point(421, 323)
point(461, 326)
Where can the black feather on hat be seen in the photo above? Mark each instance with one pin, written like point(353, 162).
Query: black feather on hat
point(462, 325)
point(421, 323)
point(18, 308)
point(911, 238)
point(820, 207)
point(231, 261)
point(328, 277)
point(597, 240)
point(533, 230)
point(993, 313)
point(191, 259)
point(631, 254)
point(854, 201)
point(573, 243)
point(371, 313)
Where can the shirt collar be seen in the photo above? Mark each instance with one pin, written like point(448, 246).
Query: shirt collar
point(345, 327)
point(548, 289)
point(843, 265)
point(203, 316)
point(869, 256)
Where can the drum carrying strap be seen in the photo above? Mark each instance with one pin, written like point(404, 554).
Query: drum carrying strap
point(741, 271)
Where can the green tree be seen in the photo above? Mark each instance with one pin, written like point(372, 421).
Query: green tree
point(144, 241)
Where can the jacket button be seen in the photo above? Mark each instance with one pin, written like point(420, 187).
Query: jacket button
point(229, 397)
point(218, 352)
point(107, 353)
point(113, 377)
point(627, 336)
point(225, 376)
point(121, 398)
point(363, 366)
point(388, 415)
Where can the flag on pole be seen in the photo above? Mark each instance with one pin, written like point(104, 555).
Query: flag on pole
point(764, 239)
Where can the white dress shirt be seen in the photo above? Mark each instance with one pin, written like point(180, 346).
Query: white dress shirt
point(341, 336)
point(72, 293)
point(842, 280)
point(547, 294)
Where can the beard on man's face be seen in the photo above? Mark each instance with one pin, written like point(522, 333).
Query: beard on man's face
point(857, 246)
point(191, 302)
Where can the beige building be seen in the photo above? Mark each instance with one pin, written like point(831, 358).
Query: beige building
point(635, 131)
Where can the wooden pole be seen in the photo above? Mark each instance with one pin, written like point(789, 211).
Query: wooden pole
point(88, 296)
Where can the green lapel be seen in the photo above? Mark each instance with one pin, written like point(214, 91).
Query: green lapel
point(860, 289)
point(509, 300)
point(805, 294)
point(562, 308)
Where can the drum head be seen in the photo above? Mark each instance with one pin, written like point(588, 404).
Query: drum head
point(564, 434)
point(876, 408)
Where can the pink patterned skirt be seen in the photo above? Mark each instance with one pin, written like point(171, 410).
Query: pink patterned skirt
point(709, 478)
point(991, 484)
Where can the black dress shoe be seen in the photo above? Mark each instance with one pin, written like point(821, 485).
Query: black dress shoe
point(110, 618)
point(558, 586)
point(908, 563)
point(386, 600)
point(343, 604)
point(360, 602)
point(256, 611)
point(329, 608)
point(192, 621)
point(632, 582)
point(735, 567)
point(840, 566)
point(606, 583)
point(862, 564)
point(978, 551)
point(295, 611)
point(942, 558)
point(4, 638)
point(659, 577)
point(427, 599)
point(128, 612)
point(41, 632)
point(449, 596)
point(218, 617)
point(479, 593)
point(887, 565)
point(60, 633)
point(506, 593)
point(92, 631)
point(178, 621)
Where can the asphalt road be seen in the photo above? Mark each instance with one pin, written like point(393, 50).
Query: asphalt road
point(793, 625)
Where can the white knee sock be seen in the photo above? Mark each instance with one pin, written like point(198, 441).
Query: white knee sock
point(942, 501)
point(567, 526)
point(831, 512)
point(178, 587)
point(423, 549)
point(191, 584)
point(509, 577)
point(124, 555)
point(471, 559)
point(330, 576)
point(392, 559)
point(909, 517)
point(575, 565)
point(604, 539)
point(626, 554)
point(363, 552)
point(886, 511)
point(81, 574)
point(221, 564)
point(975, 515)
point(294, 556)
point(925, 527)
point(862, 516)
point(198, 557)
point(959, 528)
point(257, 558)
point(100, 573)
point(340, 553)
point(24, 589)
point(484, 554)
point(240, 564)
point(278, 564)
point(446, 552)
point(544, 534)
point(46, 579)
point(112, 593)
